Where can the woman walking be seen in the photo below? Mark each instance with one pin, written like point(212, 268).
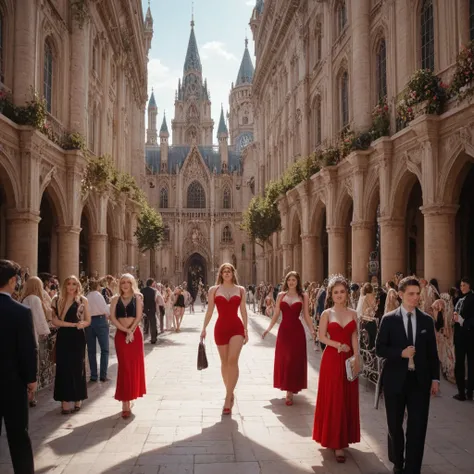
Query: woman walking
point(168, 297)
point(291, 365)
point(126, 312)
point(230, 332)
point(179, 307)
point(336, 420)
point(71, 315)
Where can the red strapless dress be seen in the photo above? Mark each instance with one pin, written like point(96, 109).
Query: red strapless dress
point(228, 322)
point(291, 365)
point(336, 420)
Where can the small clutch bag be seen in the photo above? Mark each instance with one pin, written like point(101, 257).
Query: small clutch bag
point(351, 375)
point(202, 358)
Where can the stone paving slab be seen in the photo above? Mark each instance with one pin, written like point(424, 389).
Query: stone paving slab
point(177, 428)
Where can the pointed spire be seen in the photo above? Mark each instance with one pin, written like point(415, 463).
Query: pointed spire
point(246, 71)
point(152, 101)
point(259, 6)
point(222, 129)
point(193, 61)
point(164, 126)
point(148, 16)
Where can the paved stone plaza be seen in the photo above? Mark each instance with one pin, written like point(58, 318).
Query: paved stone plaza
point(177, 428)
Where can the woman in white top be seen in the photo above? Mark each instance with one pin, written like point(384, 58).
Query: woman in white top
point(32, 296)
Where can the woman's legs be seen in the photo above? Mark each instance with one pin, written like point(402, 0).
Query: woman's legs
point(180, 317)
point(232, 367)
point(223, 353)
point(176, 317)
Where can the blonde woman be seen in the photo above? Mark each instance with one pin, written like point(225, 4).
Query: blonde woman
point(126, 312)
point(71, 315)
point(230, 332)
point(32, 296)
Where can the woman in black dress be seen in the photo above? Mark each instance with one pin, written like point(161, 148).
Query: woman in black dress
point(178, 308)
point(71, 315)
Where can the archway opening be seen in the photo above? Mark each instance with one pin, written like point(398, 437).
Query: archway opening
point(324, 246)
point(465, 226)
point(196, 273)
point(47, 236)
point(84, 254)
point(3, 223)
point(415, 232)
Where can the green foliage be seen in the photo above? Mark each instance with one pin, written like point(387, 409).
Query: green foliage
point(99, 173)
point(33, 113)
point(74, 141)
point(150, 229)
point(380, 120)
point(461, 86)
point(126, 183)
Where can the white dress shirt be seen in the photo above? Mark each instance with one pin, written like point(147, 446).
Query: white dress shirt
point(159, 299)
point(413, 322)
point(97, 304)
point(39, 318)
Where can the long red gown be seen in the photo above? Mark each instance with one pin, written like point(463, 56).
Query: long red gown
point(336, 420)
point(291, 367)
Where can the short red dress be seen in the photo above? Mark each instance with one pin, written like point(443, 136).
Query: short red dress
point(228, 322)
point(336, 420)
point(291, 364)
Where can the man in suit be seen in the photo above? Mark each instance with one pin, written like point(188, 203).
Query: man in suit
point(407, 342)
point(149, 309)
point(18, 367)
point(464, 342)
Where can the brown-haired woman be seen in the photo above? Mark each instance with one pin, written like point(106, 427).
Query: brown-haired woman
point(230, 333)
point(126, 312)
point(71, 315)
point(291, 365)
point(336, 420)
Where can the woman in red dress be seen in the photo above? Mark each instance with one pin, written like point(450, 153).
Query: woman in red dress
point(291, 365)
point(230, 333)
point(126, 311)
point(336, 421)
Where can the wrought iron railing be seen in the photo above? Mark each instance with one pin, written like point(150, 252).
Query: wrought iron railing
point(47, 359)
point(371, 363)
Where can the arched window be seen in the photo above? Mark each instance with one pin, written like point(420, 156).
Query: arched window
point(319, 46)
point(344, 99)
point(427, 35)
point(166, 234)
point(164, 198)
point(341, 16)
point(48, 75)
point(245, 120)
point(2, 27)
point(226, 199)
point(381, 69)
point(226, 234)
point(196, 199)
point(471, 20)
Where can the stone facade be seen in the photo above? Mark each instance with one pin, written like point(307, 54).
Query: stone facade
point(201, 189)
point(89, 60)
point(322, 66)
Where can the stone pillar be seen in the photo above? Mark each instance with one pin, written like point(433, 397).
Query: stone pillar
point(98, 254)
point(68, 251)
point(287, 257)
point(362, 245)
point(25, 48)
point(116, 257)
point(360, 76)
point(440, 242)
point(337, 250)
point(310, 264)
point(392, 247)
point(22, 239)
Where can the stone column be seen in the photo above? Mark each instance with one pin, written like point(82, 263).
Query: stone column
point(440, 243)
point(362, 245)
point(22, 239)
point(116, 258)
point(287, 257)
point(392, 247)
point(25, 48)
point(360, 76)
point(337, 250)
point(68, 251)
point(310, 264)
point(98, 254)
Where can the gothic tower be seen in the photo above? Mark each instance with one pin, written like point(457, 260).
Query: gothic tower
point(241, 120)
point(192, 123)
point(151, 133)
point(148, 28)
point(222, 136)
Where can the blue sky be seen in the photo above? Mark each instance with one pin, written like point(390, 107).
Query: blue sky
point(220, 28)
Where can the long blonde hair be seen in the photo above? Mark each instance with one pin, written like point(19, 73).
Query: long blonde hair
point(34, 286)
point(61, 299)
point(130, 277)
point(220, 279)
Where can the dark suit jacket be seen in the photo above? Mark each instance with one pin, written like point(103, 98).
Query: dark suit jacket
point(18, 351)
point(465, 307)
point(392, 339)
point(149, 299)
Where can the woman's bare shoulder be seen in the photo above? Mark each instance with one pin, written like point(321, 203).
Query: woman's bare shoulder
point(213, 289)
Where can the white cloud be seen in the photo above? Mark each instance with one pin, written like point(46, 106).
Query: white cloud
point(160, 76)
point(250, 3)
point(216, 48)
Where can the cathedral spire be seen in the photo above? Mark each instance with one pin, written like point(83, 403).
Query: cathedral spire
point(222, 129)
point(152, 101)
point(164, 126)
point(246, 71)
point(193, 61)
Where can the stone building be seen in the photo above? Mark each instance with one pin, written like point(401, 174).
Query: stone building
point(201, 189)
point(89, 61)
point(321, 67)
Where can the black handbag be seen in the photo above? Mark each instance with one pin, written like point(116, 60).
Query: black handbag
point(202, 358)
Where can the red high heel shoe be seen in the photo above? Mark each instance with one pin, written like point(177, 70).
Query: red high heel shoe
point(227, 411)
point(289, 400)
point(126, 414)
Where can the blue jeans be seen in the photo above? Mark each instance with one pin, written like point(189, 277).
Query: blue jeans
point(98, 330)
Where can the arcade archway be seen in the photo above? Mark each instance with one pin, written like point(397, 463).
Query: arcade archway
point(196, 272)
point(465, 226)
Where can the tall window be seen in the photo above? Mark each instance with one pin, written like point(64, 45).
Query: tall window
point(164, 198)
point(226, 199)
point(318, 123)
point(166, 234)
point(226, 234)
point(2, 71)
point(344, 99)
point(471, 19)
point(341, 16)
point(48, 75)
point(427, 35)
point(196, 198)
point(382, 69)
point(319, 46)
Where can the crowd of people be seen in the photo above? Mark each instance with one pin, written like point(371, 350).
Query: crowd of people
point(416, 332)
